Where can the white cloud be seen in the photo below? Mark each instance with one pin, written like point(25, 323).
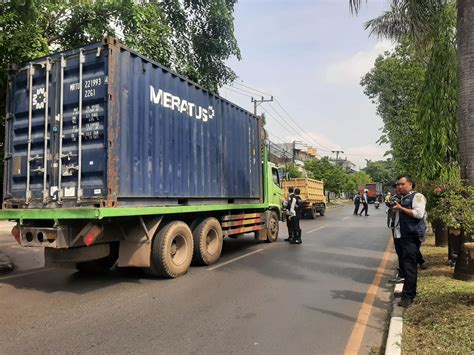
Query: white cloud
point(348, 72)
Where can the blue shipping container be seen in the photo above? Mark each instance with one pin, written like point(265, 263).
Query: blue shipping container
point(103, 126)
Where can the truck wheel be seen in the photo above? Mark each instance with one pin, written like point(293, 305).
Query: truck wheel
point(172, 250)
point(272, 231)
point(100, 265)
point(322, 212)
point(208, 242)
point(311, 213)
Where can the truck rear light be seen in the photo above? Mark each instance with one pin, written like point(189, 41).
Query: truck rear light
point(16, 234)
point(92, 235)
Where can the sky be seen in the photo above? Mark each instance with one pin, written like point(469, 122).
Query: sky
point(310, 55)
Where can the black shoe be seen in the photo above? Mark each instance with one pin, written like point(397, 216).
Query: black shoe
point(397, 280)
point(405, 302)
point(367, 215)
point(288, 239)
point(299, 242)
point(422, 266)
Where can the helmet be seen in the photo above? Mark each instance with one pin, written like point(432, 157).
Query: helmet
point(389, 193)
point(366, 190)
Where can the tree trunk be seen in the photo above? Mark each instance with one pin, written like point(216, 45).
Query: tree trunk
point(465, 37)
point(466, 88)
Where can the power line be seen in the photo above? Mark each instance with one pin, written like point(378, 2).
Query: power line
point(245, 91)
point(286, 126)
point(297, 124)
point(315, 142)
point(248, 87)
point(238, 92)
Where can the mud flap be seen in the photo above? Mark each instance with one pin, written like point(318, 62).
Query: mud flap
point(135, 249)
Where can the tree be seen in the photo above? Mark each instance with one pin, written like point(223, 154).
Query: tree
point(465, 57)
point(194, 38)
point(393, 84)
point(333, 176)
point(354, 180)
point(381, 171)
point(292, 171)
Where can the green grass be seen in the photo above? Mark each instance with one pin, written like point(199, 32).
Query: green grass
point(442, 317)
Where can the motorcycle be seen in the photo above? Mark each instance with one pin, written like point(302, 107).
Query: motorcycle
point(377, 204)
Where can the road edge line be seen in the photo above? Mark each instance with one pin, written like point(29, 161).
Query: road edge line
point(358, 331)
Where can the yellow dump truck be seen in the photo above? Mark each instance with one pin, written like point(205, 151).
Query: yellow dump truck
point(311, 192)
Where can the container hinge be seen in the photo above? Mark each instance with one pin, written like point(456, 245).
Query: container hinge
point(9, 116)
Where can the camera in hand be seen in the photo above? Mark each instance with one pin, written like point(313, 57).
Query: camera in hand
point(393, 201)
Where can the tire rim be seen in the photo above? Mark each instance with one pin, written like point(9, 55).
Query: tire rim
point(273, 227)
point(179, 250)
point(212, 242)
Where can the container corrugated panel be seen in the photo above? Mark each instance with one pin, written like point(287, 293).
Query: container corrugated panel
point(141, 135)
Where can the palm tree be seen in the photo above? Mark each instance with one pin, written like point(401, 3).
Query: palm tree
point(415, 18)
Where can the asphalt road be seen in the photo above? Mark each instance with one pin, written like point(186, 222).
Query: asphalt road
point(260, 298)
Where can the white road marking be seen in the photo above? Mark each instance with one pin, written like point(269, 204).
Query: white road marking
point(317, 229)
point(345, 218)
point(235, 259)
point(25, 273)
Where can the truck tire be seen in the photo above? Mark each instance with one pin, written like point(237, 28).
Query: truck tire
point(273, 227)
point(172, 251)
point(100, 265)
point(208, 242)
point(322, 212)
point(311, 213)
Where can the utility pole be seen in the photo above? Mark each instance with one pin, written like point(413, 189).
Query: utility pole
point(257, 102)
point(337, 154)
point(294, 151)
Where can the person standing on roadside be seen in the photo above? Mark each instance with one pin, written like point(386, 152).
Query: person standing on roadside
point(288, 219)
point(357, 203)
point(393, 222)
point(411, 210)
point(296, 209)
point(365, 204)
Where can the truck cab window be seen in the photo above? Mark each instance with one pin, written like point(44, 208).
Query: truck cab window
point(275, 176)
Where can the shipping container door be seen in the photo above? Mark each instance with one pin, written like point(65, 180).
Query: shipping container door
point(48, 162)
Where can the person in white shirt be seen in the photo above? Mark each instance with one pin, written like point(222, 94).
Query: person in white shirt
point(365, 203)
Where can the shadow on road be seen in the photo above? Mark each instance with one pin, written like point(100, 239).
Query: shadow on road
point(72, 281)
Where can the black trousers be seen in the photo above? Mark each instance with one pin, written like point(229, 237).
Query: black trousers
point(295, 221)
point(409, 250)
point(289, 225)
point(419, 256)
point(365, 207)
point(398, 250)
point(356, 208)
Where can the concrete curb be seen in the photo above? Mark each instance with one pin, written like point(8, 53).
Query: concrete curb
point(393, 345)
